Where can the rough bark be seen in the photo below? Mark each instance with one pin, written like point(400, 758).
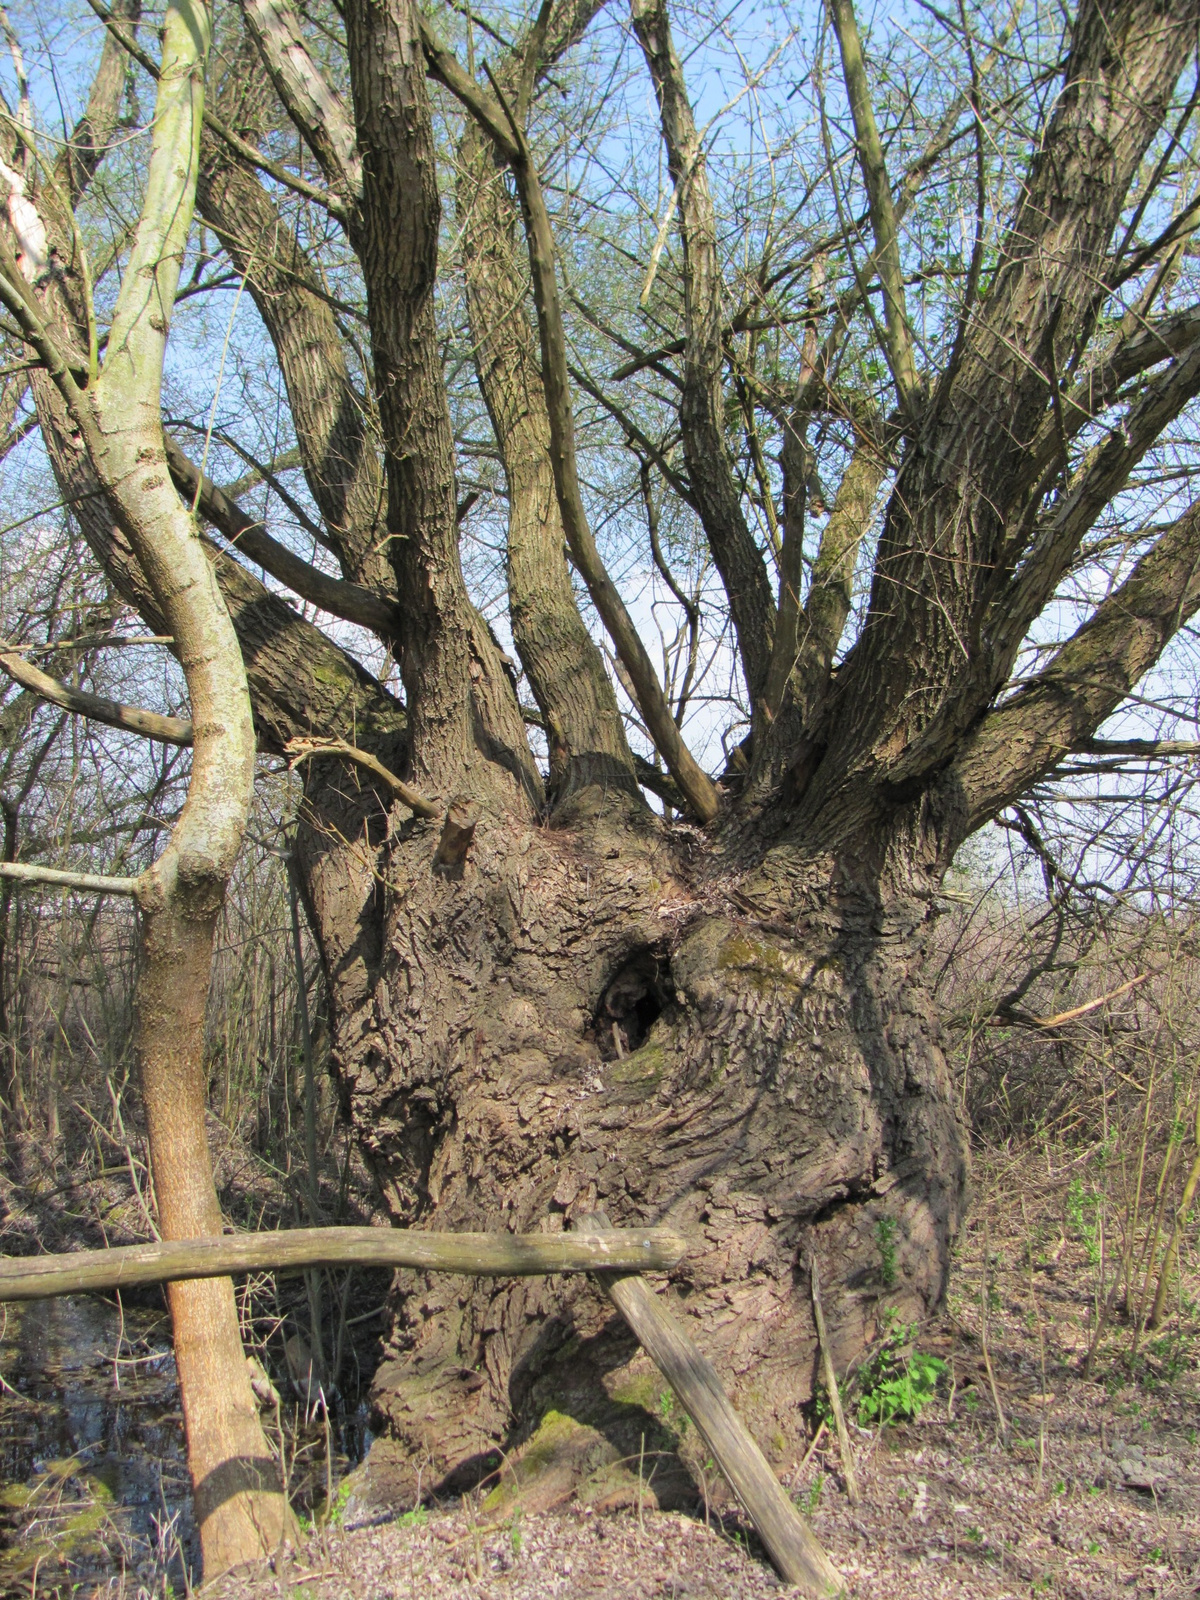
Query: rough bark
point(465, 725)
point(336, 428)
point(963, 509)
point(496, 117)
point(566, 672)
point(776, 1089)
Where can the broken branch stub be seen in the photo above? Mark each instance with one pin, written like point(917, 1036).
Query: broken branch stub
point(458, 830)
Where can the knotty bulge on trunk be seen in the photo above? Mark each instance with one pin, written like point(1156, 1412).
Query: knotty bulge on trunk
point(612, 1012)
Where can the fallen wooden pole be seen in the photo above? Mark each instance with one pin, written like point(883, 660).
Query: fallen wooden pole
point(790, 1542)
point(504, 1255)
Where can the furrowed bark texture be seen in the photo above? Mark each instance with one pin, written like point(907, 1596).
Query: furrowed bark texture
point(572, 688)
point(461, 703)
point(589, 1017)
point(926, 665)
point(336, 428)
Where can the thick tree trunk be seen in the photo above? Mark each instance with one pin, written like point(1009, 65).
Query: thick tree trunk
point(599, 1014)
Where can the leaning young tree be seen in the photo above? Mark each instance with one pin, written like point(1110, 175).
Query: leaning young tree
point(902, 464)
point(113, 413)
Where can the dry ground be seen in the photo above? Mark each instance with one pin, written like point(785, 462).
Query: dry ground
point(1089, 1488)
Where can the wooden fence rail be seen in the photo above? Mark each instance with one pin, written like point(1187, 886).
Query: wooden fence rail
point(502, 1255)
point(618, 1257)
point(798, 1554)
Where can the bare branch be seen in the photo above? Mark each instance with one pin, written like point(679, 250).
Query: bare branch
point(879, 198)
point(87, 882)
point(1146, 749)
point(504, 1255)
point(1059, 710)
point(310, 100)
point(492, 113)
point(241, 147)
point(341, 599)
point(1104, 475)
point(701, 412)
point(334, 422)
point(131, 719)
point(298, 750)
point(696, 785)
point(1101, 384)
point(444, 67)
point(794, 458)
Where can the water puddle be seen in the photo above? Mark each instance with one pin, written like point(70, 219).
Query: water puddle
point(94, 1492)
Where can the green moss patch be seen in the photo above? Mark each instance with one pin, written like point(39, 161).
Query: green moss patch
point(549, 1467)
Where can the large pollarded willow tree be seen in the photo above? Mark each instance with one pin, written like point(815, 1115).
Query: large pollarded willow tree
point(914, 381)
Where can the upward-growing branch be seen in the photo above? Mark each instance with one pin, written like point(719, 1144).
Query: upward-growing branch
point(239, 1507)
point(879, 200)
point(309, 98)
point(585, 731)
point(693, 781)
point(499, 124)
point(701, 411)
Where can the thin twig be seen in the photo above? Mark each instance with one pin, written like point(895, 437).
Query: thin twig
point(831, 1383)
point(298, 750)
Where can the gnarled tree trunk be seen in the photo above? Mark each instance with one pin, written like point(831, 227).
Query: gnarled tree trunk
point(722, 1026)
point(610, 1012)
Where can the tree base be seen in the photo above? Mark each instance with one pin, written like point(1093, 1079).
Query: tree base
point(570, 1028)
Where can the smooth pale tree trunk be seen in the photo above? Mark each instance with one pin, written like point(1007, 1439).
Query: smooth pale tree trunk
point(239, 1506)
point(240, 1509)
point(116, 416)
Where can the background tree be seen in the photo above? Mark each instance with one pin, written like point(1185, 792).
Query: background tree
point(880, 409)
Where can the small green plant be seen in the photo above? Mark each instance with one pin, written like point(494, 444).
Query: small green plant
point(416, 1518)
point(885, 1238)
point(514, 1532)
point(1173, 1352)
point(809, 1499)
point(1083, 1206)
point(975, 1534)
point(1093, 1547)
point(896, 1387)
point(337, 1506)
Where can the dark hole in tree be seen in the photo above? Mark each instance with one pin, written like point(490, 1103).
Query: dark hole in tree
point(634, 999)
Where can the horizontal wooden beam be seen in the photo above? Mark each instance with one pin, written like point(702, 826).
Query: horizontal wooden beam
point(502, 1255)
